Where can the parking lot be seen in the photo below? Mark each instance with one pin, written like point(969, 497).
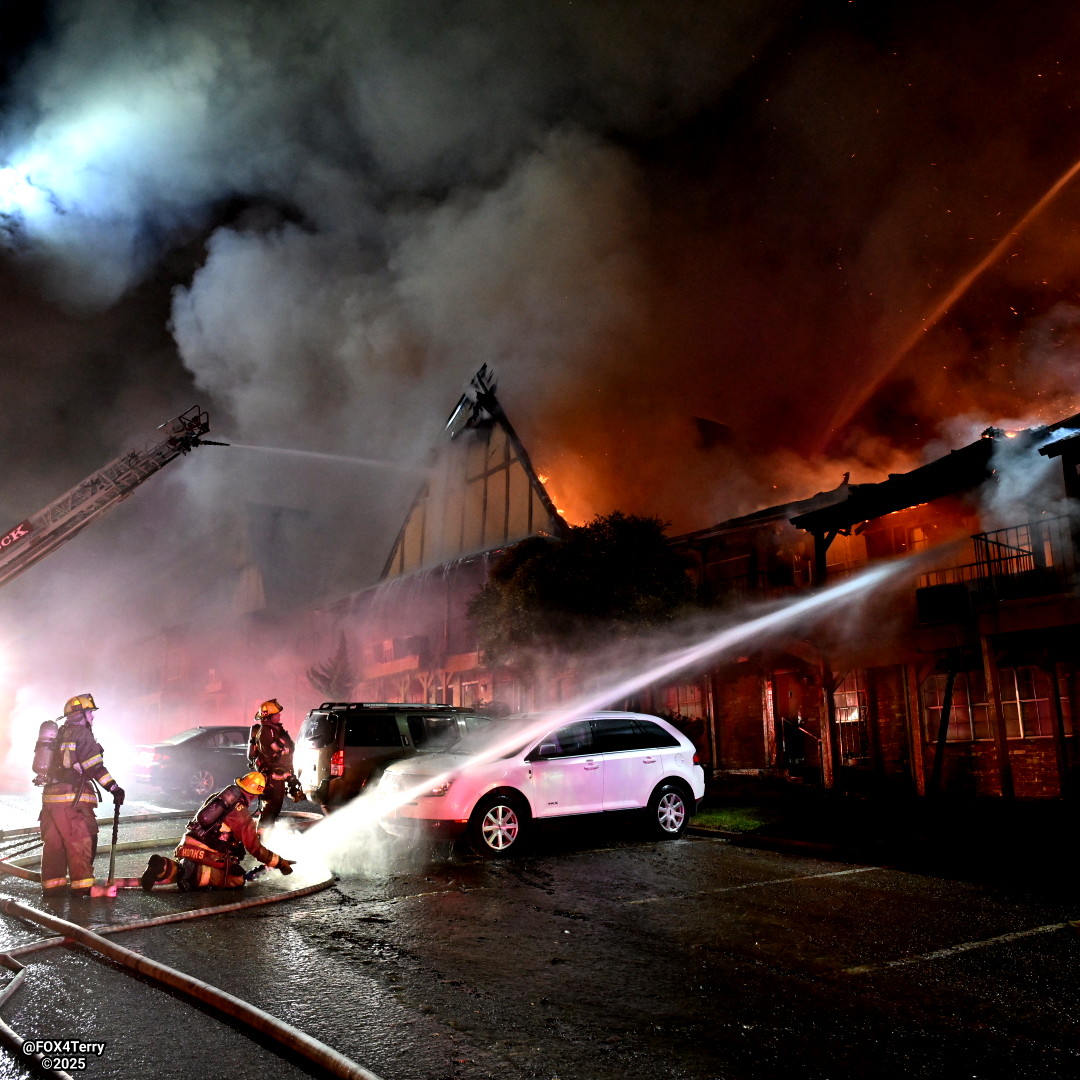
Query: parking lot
point(600, 955)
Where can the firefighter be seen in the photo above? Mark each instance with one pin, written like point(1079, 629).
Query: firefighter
point(69, 799)
point(211, 854)
point(270, 751)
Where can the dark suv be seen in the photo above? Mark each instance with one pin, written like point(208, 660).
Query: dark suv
point(344, 745)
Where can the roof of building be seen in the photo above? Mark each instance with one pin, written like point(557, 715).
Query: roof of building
point(482, 492)
point(956, 473)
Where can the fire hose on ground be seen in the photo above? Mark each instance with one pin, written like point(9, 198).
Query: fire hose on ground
point(285, 1035)
point(248, 1015)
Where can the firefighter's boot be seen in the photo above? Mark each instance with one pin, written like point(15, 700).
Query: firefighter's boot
point(156, 869)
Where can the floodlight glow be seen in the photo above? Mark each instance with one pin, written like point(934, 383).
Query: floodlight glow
point(19, 196)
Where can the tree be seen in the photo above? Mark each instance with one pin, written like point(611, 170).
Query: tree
point(613, 577)
point(336, 678)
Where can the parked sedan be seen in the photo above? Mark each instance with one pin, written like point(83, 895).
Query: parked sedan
point(195, 763)
point(494, 783)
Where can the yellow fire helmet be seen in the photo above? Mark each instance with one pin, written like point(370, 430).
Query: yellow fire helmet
point(254, 783)
point(270, 709)
point(79, 703)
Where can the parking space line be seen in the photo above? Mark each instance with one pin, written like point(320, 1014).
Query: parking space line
point(952, 950)
point(759, 884)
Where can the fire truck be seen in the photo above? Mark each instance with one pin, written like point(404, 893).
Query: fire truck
point(68, 515)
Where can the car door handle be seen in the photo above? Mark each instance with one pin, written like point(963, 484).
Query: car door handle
point(648, 761)
point(589, 766)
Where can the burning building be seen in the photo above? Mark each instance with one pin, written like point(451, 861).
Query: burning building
point(963, 682)
point(481, 495)
point(960, 681)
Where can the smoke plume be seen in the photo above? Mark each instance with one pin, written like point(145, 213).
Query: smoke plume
point(652, 219)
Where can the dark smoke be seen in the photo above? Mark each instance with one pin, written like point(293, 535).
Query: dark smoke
point(644, 215)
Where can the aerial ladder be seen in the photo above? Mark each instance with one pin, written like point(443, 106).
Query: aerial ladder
point(68, 515)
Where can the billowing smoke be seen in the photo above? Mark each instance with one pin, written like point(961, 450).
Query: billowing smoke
point(690, 238)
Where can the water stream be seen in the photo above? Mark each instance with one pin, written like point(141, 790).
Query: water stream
point(340, 459)
point(349, 837)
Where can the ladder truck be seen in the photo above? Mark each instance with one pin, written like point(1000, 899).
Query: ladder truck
point(58, 522)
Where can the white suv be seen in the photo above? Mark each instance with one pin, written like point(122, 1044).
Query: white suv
point(494, 782)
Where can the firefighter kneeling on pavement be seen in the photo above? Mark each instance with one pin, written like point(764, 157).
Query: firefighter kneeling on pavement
point(212, 852)
point(68, 762)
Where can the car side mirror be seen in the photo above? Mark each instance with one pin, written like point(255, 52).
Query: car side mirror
point(546, 750)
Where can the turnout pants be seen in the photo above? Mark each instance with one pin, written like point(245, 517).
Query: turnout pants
point(190, 874)
point(69, 832)
point(272, 798)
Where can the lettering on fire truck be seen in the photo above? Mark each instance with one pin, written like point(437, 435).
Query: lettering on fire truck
point(17, 533)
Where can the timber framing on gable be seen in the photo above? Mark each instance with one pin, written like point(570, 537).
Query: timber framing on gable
point(482, 491)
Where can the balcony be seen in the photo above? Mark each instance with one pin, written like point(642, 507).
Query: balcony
point(1021, 562)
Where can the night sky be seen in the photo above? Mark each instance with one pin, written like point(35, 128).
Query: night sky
point(696, 241)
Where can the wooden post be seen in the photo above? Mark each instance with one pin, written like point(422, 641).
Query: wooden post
point(916, 746)
point(997, 716)
point(943, 734)
point(714, 720)
point(1057, 728)
point(829, 735)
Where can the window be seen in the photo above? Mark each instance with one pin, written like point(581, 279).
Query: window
point(228, 737)
point(684, 699)
point(573, 740)
point(969, 718)
point(372, 731)
point(1025, 704)
point(653, 735)
point(433, 732)
point(615, 733)
point(881, 543)
point(849, 698)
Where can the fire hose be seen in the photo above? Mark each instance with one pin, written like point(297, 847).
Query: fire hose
point(290, 1038)
point(284, 1034)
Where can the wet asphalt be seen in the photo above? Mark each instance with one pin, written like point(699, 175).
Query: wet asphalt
point(597, 955)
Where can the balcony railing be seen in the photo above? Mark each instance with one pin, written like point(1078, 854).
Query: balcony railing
point(1034, 559)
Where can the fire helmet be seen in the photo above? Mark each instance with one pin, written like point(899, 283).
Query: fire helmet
point(254, 783)
point(269, 709)
point(79, 703)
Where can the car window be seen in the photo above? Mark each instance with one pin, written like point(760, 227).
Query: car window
point(319, 729)
point(653, 735)
point(181, 736)
point(474, 723)
point(505, 738)
point(433, 732)
point(614, 733)
point(569, 741)
point(368, 730)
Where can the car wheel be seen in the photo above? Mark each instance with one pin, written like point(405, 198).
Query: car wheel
point(669, 812)
point(201, 784)
point(497, 826)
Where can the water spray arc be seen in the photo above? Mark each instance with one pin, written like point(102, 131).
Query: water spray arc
point(340, 459)
point(334, 833)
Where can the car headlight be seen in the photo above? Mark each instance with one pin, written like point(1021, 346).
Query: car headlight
point(438, 790)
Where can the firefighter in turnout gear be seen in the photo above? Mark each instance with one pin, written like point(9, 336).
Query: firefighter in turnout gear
point(270, 751)
point(211, 854)
point(69, 800)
